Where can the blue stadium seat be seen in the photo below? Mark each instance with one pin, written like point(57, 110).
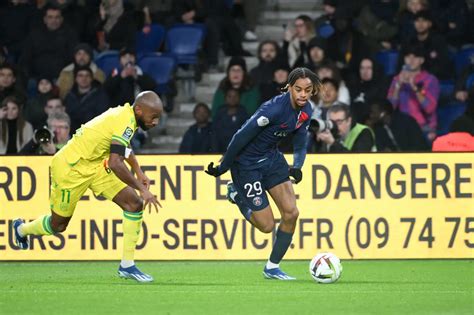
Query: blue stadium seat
point(160, 68)
point(151, 41)
point(470, 81)
point(108, 61)
point(183, 41)
point(446, 88)
point(389, 60)
point(447, 114)
point(463, 58)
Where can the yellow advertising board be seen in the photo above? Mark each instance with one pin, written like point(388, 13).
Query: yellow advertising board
point(358, 206)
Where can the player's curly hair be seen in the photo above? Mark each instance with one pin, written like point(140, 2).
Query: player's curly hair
point(302, 72)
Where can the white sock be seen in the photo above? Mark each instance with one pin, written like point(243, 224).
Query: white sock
point(271, 265)
point(127, 263)
point(19, 231)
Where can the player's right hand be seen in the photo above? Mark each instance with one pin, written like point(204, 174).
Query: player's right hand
point(149, 200)
point(213, 170)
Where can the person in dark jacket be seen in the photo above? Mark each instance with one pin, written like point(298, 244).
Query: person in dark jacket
point(395, 131)
point(368, 85)
point(268, 55)
point(9, 85)
point(198, 138)
point(48, 48)
point(434, 47)
point(274, 88)
point(126, 82)
point(228, 120)
point(86, 99)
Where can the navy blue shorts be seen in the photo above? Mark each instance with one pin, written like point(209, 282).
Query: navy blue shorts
point(251, 184)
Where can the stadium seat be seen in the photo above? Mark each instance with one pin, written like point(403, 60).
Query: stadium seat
point(108, 61)
point(160, 68)
point(389, 60)
point(183, 41)
point(446, 88)
point(325, 30)
point(151, 41)
point(470, 81)
point(447, 114)
point(463, 58)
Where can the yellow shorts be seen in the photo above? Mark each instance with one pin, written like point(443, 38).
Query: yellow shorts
point(69, 183)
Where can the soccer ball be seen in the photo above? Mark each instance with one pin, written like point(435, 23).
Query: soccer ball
point(325, 268)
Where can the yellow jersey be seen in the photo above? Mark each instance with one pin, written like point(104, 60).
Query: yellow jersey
point(91, 142)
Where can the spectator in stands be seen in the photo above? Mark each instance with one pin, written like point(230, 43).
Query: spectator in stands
point(220, 26)
point(376, 22)
point(252, 10)
point(75, 16)
point(83, 55)
point(461, 87)
point(34, 110)
point(15, 130)
point(48, 48)
point(394, 130)
point(327, 98)
point(274, 88)
point(295, 43)
point(347, 46)
point(415, 91)
point(329, 70)
point(228, 120)
point(451, 19)
point(329, 8)
point(159, 12)
point(126, 82)
point(368, 86)
point(237, 78)
point(86, 99)
point(459, 138)
point(16, 20)
point(9, 85)
point(268, 55)
point(116, 27)
point(198, 138)
point(316, 53)
point(351, 136)
point(406, 18)
point(59, 126)
point(434, 47)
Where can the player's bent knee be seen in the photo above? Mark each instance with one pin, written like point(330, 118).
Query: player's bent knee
point(267, 227)
point(291, 216)
point(136, 204)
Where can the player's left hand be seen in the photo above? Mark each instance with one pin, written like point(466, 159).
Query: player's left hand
point(296, 174)
point(213, 170)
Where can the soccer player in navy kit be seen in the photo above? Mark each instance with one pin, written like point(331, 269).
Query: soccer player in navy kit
point(258, 166)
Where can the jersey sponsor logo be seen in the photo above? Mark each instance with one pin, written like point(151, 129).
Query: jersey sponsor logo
point(257, 201)
point(262, 121)
point(281, 133)
point(302, 117)
point(127, 134)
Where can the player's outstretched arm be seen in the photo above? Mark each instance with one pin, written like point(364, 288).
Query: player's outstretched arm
point(117, 165)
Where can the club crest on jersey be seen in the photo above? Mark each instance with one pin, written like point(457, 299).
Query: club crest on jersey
point(262, 121)
point(257, 201)
point(302, 117)
point(127, 134)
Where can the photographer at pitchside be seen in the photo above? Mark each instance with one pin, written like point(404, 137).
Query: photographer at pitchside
point(351, 136)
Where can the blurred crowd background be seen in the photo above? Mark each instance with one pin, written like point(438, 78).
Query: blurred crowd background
point(396, 75)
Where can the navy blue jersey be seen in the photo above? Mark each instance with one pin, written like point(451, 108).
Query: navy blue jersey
point(258, 138)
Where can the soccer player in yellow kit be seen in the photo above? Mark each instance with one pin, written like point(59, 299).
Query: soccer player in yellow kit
point(94, 159)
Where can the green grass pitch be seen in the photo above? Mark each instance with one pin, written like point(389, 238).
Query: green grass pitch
point(233, 287)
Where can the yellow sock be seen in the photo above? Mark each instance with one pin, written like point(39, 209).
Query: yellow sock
point(132, 223)
point(40, 226)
